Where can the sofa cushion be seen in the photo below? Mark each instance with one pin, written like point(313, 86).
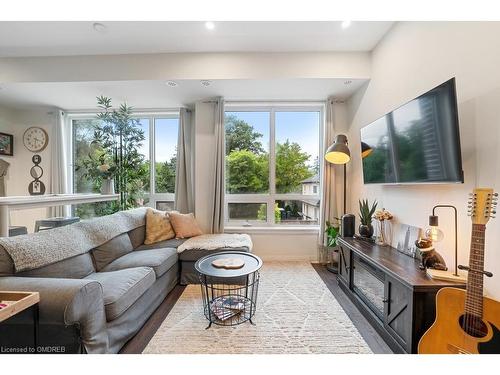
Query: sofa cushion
point(137, 236)
point(161, 260)
point(185, 225)
point(111, 250)
point(76, 267)
point(158, 227)
point(122, 288)
point(6, 264)
point(195, 254)
point(174, 243)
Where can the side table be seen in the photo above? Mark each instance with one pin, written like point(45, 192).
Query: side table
point(13, 303)
point(229, 295)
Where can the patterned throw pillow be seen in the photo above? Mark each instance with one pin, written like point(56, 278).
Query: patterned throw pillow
point(185, 225)
point(158, 227)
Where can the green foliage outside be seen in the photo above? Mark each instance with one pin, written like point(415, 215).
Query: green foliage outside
point(247, 163)
point(291, 167)
point(247, 172)
point(262, 213)
point(241, 136)
point(165, 176)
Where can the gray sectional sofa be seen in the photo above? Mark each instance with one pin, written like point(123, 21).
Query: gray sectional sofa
point(96, 301)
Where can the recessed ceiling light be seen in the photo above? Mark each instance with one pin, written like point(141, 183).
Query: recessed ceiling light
point(210, 25)
point(99, 27)
point(206, 82)
point(345, 24)
point(348, 82)
point(172, 83)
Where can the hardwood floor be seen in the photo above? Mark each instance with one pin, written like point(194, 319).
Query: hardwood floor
point(137, 344)
point(371, 336)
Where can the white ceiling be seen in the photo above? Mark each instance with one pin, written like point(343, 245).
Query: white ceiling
point(79, 38)
point(157, 94)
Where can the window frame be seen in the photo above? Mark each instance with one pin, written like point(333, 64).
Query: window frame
point(271, 197)
point(152, 195)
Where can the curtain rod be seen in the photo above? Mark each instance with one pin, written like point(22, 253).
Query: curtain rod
point(285, 102)
point(135, 110)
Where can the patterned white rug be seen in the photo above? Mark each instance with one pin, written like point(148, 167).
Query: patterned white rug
point(296, 314)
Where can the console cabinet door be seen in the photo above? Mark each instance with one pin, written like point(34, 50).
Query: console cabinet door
point(398, 312)
point(344, 265)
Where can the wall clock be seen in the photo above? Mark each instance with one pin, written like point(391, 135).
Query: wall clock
point(35, 139)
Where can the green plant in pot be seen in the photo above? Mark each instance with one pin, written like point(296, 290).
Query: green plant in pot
point(332, 232)
point(365, 216)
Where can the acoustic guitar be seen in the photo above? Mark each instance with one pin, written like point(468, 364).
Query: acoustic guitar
point(466, 322)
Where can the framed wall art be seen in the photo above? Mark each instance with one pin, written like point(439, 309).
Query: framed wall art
point(6, 144)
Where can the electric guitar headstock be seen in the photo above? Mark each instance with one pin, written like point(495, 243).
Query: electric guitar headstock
point(482, 205)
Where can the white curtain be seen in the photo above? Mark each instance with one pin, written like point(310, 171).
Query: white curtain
point(217, 218)
point(184, 187)
point(59, 164)
point(330, 194)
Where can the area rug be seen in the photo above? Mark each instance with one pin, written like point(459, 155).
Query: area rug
point(296, 314)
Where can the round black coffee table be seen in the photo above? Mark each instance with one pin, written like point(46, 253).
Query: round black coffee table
point(229, 295)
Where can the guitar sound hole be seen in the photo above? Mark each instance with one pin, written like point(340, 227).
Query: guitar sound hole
point(473, 325)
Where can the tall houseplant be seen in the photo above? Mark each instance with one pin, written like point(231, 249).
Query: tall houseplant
point(116, 142)
point(365, 215)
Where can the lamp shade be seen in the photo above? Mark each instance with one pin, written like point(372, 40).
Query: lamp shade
point(338, 152)
point(365, 150)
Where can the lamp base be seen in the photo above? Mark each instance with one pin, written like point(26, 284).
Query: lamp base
point(445, 275)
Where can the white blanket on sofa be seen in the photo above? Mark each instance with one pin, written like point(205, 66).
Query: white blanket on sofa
point(40, 249)
point(216, 241)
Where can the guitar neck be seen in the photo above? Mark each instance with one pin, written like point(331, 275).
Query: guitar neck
point(474, 298)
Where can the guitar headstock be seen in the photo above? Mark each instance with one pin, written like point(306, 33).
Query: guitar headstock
point(482, 205)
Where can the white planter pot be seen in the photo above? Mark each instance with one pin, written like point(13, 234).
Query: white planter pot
point(108, 186)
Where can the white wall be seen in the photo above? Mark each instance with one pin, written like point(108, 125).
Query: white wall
point(413, 58)
point(18, 177)
point(165, 66)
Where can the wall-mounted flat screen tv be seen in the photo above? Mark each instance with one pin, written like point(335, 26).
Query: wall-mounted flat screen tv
point(417, 143)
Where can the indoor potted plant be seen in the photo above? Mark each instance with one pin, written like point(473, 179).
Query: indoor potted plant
point(107, 173)
point(365, 215)
point(332, 232)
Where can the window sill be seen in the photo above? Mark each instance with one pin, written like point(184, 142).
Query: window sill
point(272, 230)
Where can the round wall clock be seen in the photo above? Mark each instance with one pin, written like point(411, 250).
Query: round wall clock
point(35, 139)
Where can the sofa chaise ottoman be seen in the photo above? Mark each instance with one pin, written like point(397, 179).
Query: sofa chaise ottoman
point(187, 258)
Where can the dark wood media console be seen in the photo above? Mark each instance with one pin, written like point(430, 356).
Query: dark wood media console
point(390, 290)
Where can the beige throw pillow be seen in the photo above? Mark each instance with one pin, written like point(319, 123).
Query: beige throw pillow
point(185, 225)
point(158, 227)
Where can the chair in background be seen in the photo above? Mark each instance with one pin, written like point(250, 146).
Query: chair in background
point(54, 222)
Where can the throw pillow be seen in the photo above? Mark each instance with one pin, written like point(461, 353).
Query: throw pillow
point(158, 227)
point(185, 225)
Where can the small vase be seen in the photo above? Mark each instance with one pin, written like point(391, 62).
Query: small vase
point(108, 186)
point(381, 240)
point(365, 230)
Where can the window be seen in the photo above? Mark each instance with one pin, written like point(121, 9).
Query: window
point(272, 165)
point(158, 151)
